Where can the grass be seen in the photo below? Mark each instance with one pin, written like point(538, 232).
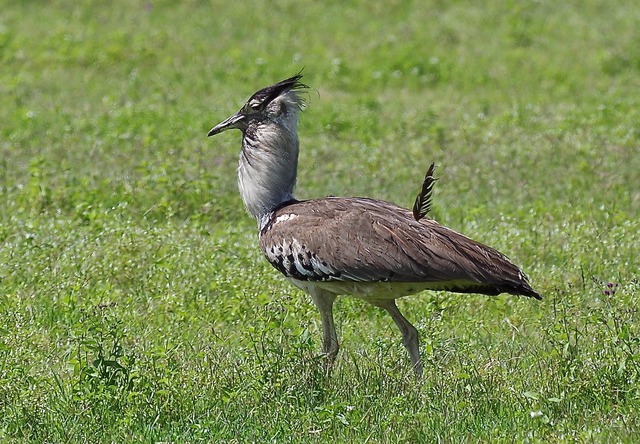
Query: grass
point(135, 304)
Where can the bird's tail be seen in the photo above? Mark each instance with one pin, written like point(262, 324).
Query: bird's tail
point(524, 289)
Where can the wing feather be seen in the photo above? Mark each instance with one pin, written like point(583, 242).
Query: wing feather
point(364, 240)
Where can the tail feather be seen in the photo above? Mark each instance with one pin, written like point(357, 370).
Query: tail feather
point(496, 289)
point(526, 290)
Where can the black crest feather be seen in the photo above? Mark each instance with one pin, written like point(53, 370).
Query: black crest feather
point(422, 205)
point(266, 95)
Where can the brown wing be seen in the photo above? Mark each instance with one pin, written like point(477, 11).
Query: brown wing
point(364, 240)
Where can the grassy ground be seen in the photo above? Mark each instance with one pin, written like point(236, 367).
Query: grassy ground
point(135, 305)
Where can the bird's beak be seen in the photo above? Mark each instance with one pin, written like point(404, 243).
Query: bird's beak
point(230, 123)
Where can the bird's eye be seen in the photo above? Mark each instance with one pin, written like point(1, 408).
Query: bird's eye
point(255, 105)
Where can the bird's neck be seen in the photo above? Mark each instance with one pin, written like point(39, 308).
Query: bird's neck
point(268, 166)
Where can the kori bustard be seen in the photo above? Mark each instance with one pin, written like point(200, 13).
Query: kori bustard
point(369, 249)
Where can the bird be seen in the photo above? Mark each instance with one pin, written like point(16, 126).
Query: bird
point(351, 246)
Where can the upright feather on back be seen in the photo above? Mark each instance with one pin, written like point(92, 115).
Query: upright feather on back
point(422, 205)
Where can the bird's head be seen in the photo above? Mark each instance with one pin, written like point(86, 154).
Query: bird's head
point(268, 161)
point(274, 104)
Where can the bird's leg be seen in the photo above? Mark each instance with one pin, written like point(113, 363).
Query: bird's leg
point(324, 301)
point(409, 333)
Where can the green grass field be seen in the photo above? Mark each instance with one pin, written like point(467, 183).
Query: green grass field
point(135, 305)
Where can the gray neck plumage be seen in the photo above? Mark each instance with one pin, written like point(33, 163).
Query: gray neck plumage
point(268, 165)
